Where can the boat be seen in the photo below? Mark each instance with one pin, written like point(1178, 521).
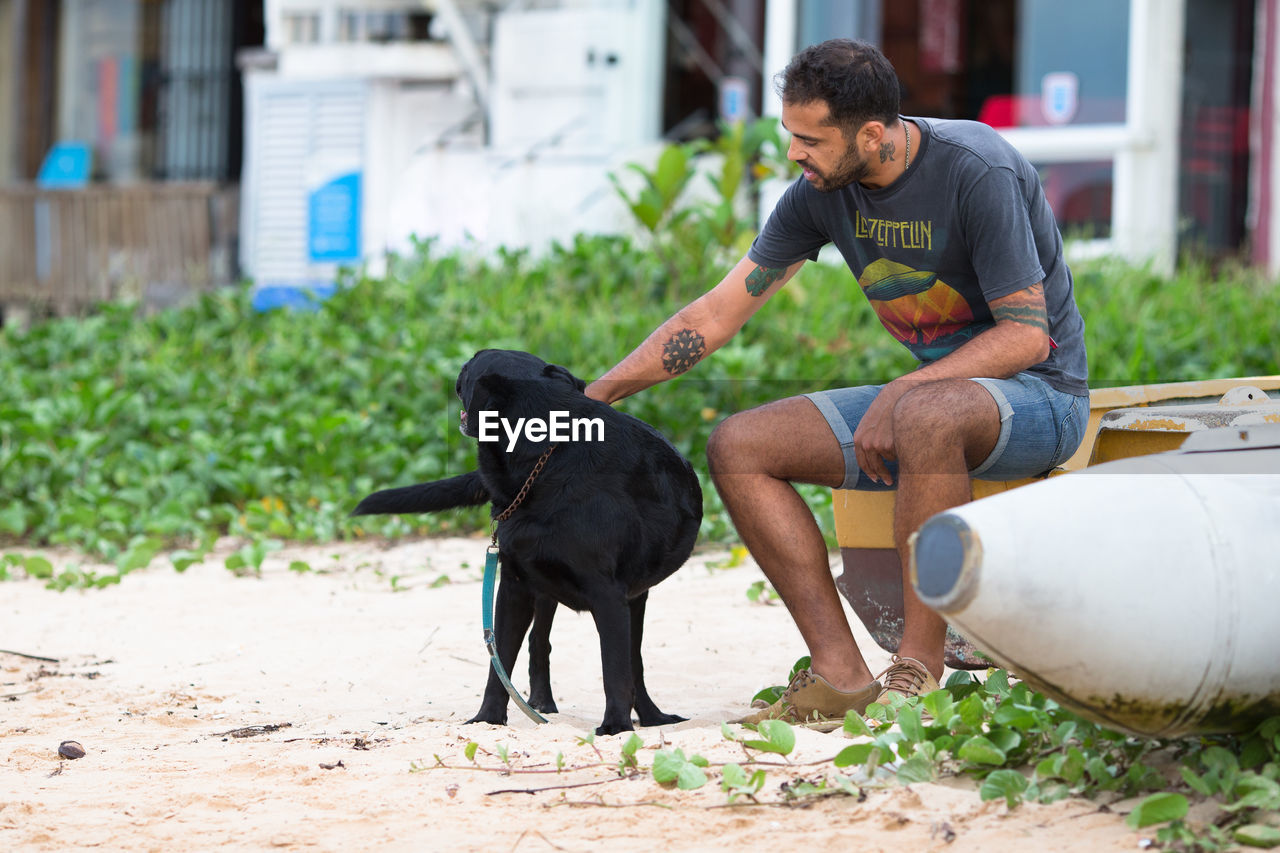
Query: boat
point(1133, 585)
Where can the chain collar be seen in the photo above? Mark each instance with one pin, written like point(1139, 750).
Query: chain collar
point(524, 491)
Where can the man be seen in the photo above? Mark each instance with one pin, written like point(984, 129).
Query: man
point(947, 231)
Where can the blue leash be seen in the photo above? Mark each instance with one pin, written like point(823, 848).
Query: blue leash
point(486, 596)
point(490, 573)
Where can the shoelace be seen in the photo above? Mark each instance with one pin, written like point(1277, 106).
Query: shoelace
point(803, 679)
point(904, 675)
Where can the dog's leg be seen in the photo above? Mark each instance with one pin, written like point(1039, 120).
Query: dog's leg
point(540, 698)
point(513, 612)
point(646, 710)
point(613, 622)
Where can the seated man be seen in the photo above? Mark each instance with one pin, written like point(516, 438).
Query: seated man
point(948, 233)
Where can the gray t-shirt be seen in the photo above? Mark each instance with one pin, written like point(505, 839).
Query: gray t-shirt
point(965, 224)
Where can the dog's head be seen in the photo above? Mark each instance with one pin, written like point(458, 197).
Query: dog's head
point(493, 376)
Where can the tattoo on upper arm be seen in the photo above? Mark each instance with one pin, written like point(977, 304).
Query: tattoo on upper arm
point(1028, 309)
point(762, 278)
point(887, 150)
point(682, 351)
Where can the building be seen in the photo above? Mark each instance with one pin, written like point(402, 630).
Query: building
point(120, 147)
point(360, 125)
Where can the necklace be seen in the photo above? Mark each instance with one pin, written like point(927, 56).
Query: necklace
point(906, 158)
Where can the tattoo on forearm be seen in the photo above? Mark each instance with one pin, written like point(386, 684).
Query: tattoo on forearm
point(887, 150)
point(1028, 315)
point(682, 351)
point(762, 278)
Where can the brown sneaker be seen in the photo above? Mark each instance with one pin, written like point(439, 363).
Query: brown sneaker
point(906, 677)
point(810, 701)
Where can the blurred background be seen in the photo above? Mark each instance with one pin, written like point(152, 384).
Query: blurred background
point(149, 148)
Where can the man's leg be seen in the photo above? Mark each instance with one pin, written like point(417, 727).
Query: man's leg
point(942, 430)
point(754, 457)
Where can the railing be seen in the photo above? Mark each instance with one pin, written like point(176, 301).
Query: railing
point(66, 250)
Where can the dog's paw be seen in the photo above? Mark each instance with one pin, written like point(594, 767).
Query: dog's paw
point(493, 719)
point(660, 719)
point(608, 728)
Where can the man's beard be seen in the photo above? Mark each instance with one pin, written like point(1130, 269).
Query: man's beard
point(850, 168)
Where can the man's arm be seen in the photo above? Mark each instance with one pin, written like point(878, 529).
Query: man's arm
point(694, 332)
point(1018, 340)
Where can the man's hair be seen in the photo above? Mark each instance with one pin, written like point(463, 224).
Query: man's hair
point(853, 78)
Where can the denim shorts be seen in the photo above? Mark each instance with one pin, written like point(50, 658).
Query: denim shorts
point(1040, 427)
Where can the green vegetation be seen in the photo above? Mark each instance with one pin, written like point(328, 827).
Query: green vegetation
point(1015, 744)
point(124, 436)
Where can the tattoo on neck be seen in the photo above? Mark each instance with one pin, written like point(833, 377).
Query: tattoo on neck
point(682, 351)
point(761, 278)
point(887, 150)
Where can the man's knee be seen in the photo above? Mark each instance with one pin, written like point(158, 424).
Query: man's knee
point(726, 444)
point(948, 412)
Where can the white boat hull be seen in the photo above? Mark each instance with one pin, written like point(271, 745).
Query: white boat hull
point(1143, 593)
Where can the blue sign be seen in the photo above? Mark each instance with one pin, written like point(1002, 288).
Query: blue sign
point(65, 167)
point(333, 220)
point(299, 296)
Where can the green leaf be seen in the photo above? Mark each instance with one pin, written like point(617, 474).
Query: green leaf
point(854, 725)
point(1258, 835)
point(671, 174)
point(940, 706)
point(768, 695)
point(1256, 792)
point(1073, 767)
point(633, 743)
point(1005, 740)
point(669, 767)
point(776, 736)
point(37, 567)
point(1017, 716)
point(732, 776)
point(909, 722)
point(736, 783)
point(139, 555)
point(1195, 781)
point(1009, 784)
point(917, 768)
point(470, 750)
point(858, 754)
point(980, 750)
point(997, 683)
point(1158, 808)
point(13, 519)
point(184, 559)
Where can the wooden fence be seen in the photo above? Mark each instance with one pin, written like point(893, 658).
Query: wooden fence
point(65, 250)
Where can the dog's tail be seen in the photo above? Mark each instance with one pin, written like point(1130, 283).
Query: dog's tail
point(463, 490)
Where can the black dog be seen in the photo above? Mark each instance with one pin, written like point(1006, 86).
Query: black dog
point(614, 511)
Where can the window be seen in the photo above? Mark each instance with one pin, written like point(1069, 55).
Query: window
point(359, 25)
point(1034, 69)
point(301, 27)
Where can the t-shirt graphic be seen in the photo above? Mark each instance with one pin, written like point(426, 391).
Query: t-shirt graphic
point(921, 311)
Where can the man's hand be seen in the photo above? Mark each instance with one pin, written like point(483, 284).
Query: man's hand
point(873, 439)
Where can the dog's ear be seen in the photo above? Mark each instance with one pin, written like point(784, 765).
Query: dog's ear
point(557, 372)
point(494, 385)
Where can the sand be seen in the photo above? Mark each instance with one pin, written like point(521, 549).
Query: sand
point(325, 710)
